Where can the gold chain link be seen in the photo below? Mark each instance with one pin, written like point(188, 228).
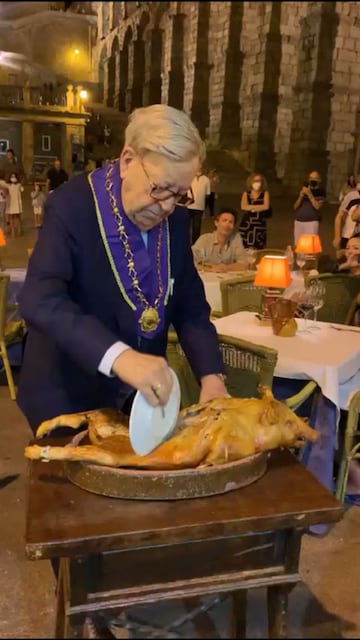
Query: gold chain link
point(127, 249)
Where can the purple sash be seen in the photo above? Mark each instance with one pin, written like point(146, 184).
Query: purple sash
point(145, 259)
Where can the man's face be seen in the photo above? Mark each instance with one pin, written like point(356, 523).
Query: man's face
point(9, 156)
point(225, 224)
point(57, 165)
point(141, 201)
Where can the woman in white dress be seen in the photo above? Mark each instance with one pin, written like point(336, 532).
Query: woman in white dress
point(14, 206)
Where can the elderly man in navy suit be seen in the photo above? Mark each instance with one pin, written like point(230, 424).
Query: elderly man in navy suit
point(111, 270)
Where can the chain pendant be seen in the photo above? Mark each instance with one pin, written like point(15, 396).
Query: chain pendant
point(149, 320)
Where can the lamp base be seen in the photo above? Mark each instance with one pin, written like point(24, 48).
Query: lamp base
point(268, 297)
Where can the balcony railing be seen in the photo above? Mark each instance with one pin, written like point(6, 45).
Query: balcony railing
point(45, 97)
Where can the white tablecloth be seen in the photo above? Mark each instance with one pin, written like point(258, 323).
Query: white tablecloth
point(212, 281)
point(330, 357)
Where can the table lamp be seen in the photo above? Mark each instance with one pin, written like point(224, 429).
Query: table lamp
point(310, 246)
point(273, 273)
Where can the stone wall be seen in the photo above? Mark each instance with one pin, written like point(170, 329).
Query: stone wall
point(276, 84)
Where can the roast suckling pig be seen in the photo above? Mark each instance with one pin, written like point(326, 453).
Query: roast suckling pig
point(211, 433)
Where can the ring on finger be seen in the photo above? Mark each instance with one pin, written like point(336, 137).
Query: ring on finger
point(155, 389)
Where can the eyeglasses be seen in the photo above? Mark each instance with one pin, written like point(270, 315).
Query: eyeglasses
point(160, 194)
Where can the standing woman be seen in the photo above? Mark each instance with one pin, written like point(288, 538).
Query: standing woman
point(14, 206)
point(307, 207)
point(255, 205)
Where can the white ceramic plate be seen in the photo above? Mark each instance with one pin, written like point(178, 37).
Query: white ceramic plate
point(150, 426)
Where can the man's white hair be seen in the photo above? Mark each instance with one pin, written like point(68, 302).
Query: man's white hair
point(162, 129)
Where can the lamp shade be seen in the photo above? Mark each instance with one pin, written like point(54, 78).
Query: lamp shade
point(273, 271)
point(309, 244)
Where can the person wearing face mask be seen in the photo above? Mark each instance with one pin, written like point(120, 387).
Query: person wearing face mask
point(344, 225)
point(14, 206)
point(307, 207)
point(255, 206)
point(112, 269)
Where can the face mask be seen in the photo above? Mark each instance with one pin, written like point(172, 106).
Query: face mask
point(256, 186)
point(313, 183)
point(13, 180)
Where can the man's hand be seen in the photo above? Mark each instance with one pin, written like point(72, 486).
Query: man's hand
point(146, 373)
point(212, 387)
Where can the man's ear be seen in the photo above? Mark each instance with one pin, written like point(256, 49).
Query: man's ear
point(126, 157)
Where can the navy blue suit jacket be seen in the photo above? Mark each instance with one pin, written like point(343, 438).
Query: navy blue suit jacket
point(74, 311)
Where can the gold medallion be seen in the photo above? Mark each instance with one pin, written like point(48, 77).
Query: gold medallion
point(149, 320)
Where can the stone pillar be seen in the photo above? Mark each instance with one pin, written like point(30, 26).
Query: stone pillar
point(136, 77)
point(343, 141)
point(176, 70)
point(313, 95)
point(292, 15)
point(117, 80)
point(259, 90)
point(129, 98)
point(196, 92)
point(27, 150)
point(218, 36)
point(106, 79)
point(153, 64)
point(66, 147)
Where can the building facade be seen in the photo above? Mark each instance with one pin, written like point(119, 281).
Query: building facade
point(277, 84)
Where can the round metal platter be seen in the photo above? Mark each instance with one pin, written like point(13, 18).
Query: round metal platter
point(141, 484)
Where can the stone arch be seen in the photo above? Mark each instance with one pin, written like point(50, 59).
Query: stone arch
point(124, 68)
point(138, 66)
point(101, 72)
point(200, 102)
point(230, 133)
point(112, 72)
point(176, 74)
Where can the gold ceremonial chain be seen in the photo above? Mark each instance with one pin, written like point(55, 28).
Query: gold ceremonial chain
point(149, 319)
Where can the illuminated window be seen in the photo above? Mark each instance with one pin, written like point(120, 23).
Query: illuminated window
point(45, 143)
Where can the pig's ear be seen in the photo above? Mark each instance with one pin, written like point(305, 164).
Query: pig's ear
point(265, 392)
point(270, 415)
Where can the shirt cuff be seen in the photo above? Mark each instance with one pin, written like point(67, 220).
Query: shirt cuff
point(110, 356)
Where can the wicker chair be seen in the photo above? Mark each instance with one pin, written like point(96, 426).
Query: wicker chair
point(247, 365)
point(240, 294)
point(341, 289)
point(10, 332)
point(351, 448)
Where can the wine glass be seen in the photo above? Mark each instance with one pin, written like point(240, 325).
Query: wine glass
point(300, 260)
point(250, 257)
point(306, 305)
point(200, 258)
point(317, 292)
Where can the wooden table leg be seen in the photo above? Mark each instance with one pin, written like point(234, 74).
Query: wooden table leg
point(62, 595)
point(238, 614)
point(277, 602)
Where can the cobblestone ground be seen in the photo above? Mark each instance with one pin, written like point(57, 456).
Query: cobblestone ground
point(324, 606)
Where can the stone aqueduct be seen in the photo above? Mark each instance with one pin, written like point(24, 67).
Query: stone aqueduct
point(278, 84)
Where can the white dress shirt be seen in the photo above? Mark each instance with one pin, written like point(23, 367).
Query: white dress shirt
point(201, 188)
